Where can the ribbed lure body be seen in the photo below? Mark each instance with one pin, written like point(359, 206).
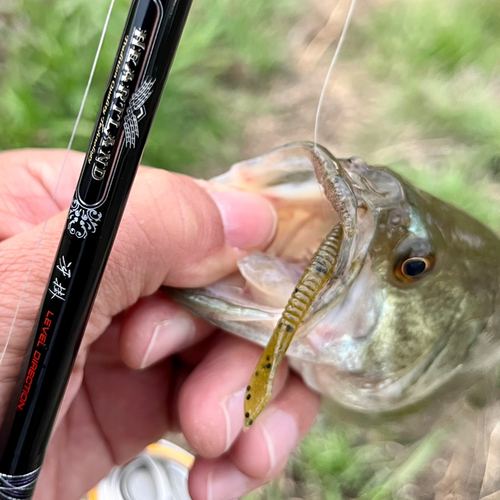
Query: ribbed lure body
point(318, 272)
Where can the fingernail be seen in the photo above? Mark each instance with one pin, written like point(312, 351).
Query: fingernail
point(281, 433)
point(168, 337)
point(227, 483)
point(233, 411)
point(249, 220)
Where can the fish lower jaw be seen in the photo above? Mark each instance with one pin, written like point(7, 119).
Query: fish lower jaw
point(354, 392)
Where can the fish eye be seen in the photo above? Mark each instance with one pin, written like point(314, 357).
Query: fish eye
point(413, 268)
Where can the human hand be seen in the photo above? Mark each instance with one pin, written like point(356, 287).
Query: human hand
point(146, 366)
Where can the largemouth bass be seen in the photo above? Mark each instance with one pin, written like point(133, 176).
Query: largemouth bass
point(413, 310)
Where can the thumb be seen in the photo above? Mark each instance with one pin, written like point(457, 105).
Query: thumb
point(178, 232)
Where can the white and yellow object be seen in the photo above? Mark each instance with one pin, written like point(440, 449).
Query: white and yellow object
point(160, 472)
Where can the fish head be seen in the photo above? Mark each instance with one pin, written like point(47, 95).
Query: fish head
point(413, 306)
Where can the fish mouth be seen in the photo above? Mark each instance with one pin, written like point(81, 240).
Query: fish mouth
point(250, 301)
point(343, 203)
point(340, 184)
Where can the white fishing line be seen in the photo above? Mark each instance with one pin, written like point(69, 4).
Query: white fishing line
point(332, 64)
point(52, 201)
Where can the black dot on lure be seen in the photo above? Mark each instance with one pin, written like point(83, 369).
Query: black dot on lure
point(250, 422)
point(268, 358)
point(247, 415)
point(249, 396)
point(256, 374)
point(248, 388)
point(268, 365)
point(289, 328)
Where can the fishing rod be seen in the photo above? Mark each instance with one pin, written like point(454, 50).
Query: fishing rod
point(145, 54)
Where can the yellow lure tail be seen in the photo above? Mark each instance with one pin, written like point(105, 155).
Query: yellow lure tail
point(317, 273)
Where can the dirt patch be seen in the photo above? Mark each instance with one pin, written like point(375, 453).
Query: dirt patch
point(293, 97)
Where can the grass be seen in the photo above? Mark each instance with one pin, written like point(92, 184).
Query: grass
point(220, 69)
point(437, 64)
point(342, 462)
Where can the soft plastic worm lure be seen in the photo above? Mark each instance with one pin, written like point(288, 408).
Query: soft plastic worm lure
point(317, 273)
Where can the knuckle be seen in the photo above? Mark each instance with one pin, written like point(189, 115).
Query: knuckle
point(170, 226)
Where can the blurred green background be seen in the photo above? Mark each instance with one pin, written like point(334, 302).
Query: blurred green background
point(224, 60)
point(417, 88)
